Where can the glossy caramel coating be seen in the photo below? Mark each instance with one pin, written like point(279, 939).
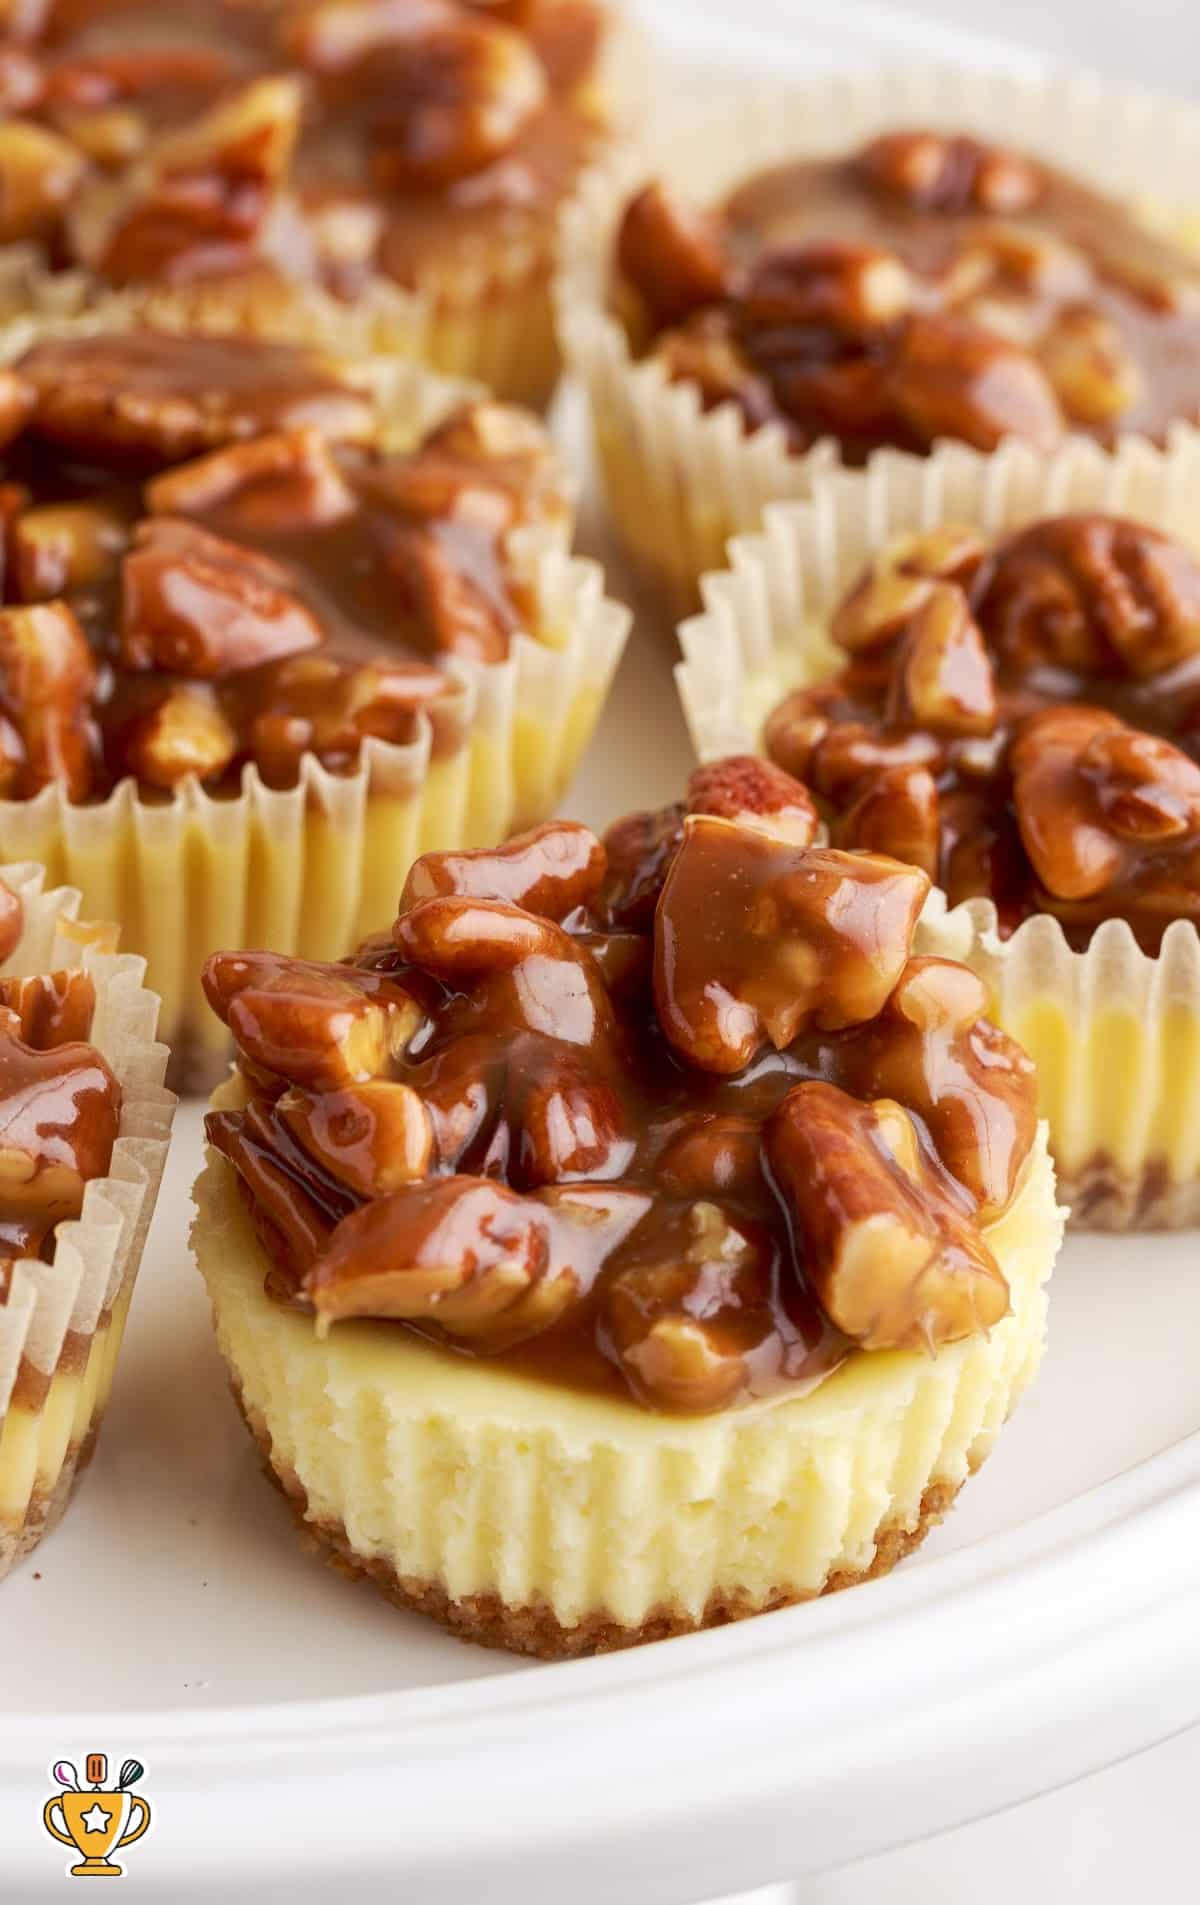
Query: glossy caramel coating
point(929, 285)
point(60, 1109)
point(210, 562)
point(595, 1111)
point(1022, 723)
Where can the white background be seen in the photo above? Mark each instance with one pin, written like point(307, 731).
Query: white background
point(1134, 1830)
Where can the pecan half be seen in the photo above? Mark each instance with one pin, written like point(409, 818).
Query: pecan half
point(895, 1261)
point(758, 794)
point(318, 1026)
point(1090, 592)
point(755, 940)
point(550, 871)
point(194, 604)
point(672, 254)
point(949, 377)
point(940, 172)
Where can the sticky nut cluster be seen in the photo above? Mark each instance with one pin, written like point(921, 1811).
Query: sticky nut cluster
point(266, 138)
point(957, 308)
point(677, 1106)
point(976, 729)
point(60, 1103)
point(240, 575)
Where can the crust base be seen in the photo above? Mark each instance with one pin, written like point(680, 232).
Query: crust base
point(535, 1629)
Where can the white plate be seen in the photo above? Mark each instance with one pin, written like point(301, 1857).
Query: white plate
point(298, 1733)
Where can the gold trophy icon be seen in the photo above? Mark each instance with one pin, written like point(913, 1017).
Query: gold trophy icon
point(96, 1820)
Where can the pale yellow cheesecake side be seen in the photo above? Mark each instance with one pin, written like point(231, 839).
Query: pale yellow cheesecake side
point(541, 1518)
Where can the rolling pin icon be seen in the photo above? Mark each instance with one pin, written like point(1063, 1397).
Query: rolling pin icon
point(96, 1768)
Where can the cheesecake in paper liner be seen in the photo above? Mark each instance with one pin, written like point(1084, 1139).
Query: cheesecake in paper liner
point(482, 311)
point(553, 1522)
point(1115, 1032)
point(301, 869)
point(679, 480)
point(62, 1321)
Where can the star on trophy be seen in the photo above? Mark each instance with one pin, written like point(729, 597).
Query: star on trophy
point(96, 1820)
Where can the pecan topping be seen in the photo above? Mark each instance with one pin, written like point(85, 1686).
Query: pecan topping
point(958, 738)
point(491, 1127)
point(224, 516)
point(928, 286)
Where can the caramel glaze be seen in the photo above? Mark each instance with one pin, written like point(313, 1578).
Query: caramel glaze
point(575, 1185)
point(1144, 285)
point(1112, 590)
point(385, 565)
point(926, 286)
point(60, 1110)
point(122, 52)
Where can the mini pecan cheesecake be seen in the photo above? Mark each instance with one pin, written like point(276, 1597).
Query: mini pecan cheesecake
point(85, 1124)
point(1022, 721)
point(249, 648)
point(808, 287)
point(266, 166)
point(635, 1237)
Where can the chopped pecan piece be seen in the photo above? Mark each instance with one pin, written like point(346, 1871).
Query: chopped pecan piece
point(280, 484)
point(47, 681)
point(900, 580)
point(1093, 373)
point(824, 285)
point(550, 871)
point(169, 732)
point(318, 1026)
point(756, 940)
point(449, 100)
point(934, 1049)
point(896, 813)
point(895, 1260)
point(194, 604)
point(938, 172)
point(57, 549)
point(684, 1318)
point(469, 1258)
point(941, 679)
point(672, 254)
point(1096, 800)
point(756, 793)
point(198, 197)
point(373, 1136)
point(952, 378)
point(640, 848)
point(162, 398)
point(39, 173)
point(61, 1114)
point(567, 1117)
point(312, 704)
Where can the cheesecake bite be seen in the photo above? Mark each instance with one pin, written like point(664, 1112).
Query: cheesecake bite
point(667, 1137)
point(241, 162)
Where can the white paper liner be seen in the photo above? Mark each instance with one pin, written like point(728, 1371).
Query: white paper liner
point(1116, 1033)
point(680, 481)
point(312, 869)
point(62, 1321)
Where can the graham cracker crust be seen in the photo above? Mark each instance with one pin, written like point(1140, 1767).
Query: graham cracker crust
point(535, 1629)
point(1102, 1196)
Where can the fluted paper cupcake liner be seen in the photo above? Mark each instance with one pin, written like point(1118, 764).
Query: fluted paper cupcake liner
point(311, 869)
point(555, 1522)
point(62, 1321)
point(679, 480)
point(1115, 1033)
